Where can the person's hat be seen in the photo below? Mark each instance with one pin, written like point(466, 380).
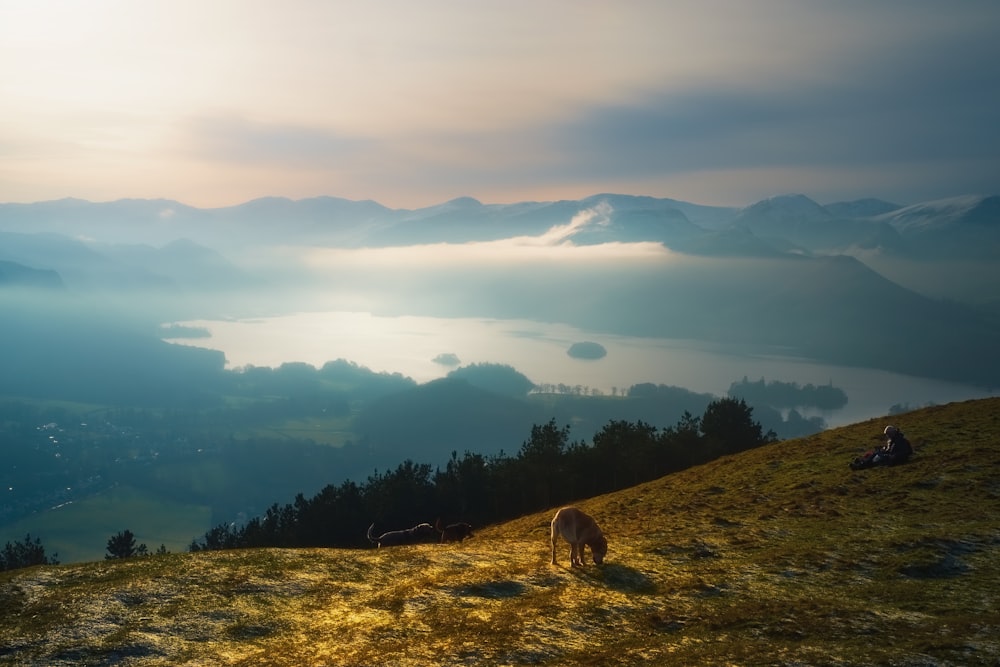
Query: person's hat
point(891, 430)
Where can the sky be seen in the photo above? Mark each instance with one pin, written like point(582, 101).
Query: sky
point(412, 104)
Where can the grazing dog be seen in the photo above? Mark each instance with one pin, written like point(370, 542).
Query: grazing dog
point(453, 532)
point(419, 533)
point(578, 529)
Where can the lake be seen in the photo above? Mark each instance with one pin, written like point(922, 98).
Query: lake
point(409, 345)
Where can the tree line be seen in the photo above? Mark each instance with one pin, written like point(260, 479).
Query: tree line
point(547, 471)
point(789, 394)
point(25, 553)
point(28, 552)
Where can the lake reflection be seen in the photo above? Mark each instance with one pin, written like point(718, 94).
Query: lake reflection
point(409, 345)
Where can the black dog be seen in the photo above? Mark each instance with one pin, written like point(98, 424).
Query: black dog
point(453, 532)
point(419, 533)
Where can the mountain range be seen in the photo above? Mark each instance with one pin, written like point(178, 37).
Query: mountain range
point(968, 226)
point(870, 283)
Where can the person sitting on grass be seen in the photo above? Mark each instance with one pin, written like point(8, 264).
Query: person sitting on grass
point(897, 449)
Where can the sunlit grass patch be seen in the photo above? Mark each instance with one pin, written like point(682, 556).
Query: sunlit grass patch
point(776, 556)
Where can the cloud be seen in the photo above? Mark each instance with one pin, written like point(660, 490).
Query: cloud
point(554, 246)
point(897, 116)
point(240, 140)
point(932, 101)
point(598, 216)
point(413, 104)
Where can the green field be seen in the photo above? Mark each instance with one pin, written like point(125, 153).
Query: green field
point(79, 531)
point(333, 431)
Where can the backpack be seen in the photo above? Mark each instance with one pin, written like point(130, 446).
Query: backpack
point(866, 460)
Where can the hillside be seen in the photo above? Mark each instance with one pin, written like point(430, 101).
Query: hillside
point(777, 556)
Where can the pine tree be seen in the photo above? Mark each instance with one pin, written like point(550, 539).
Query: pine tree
point(25, 554)
point(123, 545)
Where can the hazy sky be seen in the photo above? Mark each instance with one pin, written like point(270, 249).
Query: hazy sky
point(413, 103)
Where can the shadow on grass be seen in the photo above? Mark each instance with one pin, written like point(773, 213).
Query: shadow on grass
point(615, 576)
point(492, 590)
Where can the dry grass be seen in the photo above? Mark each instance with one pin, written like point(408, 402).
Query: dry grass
point(778, 556)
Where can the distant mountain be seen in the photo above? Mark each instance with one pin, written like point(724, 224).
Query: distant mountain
point(801, 221)
point(344, 223)
point(276, 220)
point(956, 227)
point(736, 241)
point(784, 209)
point(85, 265)
point(13, 274)
point(668, 226)
point(949, 213)
point(792, 220)
point(860, 208)
point(834, 308)
point(182, 262)
point(959, 227)
point(626, 218)
point(121, 221)
point(785, 272)
point(77, 263)
point(706, 217)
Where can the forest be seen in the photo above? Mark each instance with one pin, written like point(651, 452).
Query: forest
point(547, 471)
point(244, 440)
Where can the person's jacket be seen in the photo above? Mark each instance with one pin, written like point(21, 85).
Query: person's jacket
point(898, 446)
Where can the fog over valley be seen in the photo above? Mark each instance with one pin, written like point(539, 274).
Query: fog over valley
point(874, 289)
point(164, 342)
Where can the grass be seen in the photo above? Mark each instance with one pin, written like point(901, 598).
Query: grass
point(82, 528)
point(777, 556)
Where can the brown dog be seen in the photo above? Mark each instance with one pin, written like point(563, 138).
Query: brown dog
point(453, 532)
point(578, 529)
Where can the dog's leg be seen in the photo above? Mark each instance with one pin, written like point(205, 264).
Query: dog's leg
point(553, 538)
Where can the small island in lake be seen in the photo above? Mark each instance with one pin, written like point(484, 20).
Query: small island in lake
point(447, 359)
point(587, 350)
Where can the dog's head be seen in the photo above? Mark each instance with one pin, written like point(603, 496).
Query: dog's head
point(456, 532)
point(599, 548)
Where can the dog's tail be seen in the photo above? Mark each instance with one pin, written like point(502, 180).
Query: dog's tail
point(439, 529)
point(371, 535)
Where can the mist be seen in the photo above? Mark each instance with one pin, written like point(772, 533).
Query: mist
point(610, 264)
point(117, 323)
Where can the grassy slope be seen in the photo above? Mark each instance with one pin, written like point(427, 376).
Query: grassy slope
point(778, 556)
